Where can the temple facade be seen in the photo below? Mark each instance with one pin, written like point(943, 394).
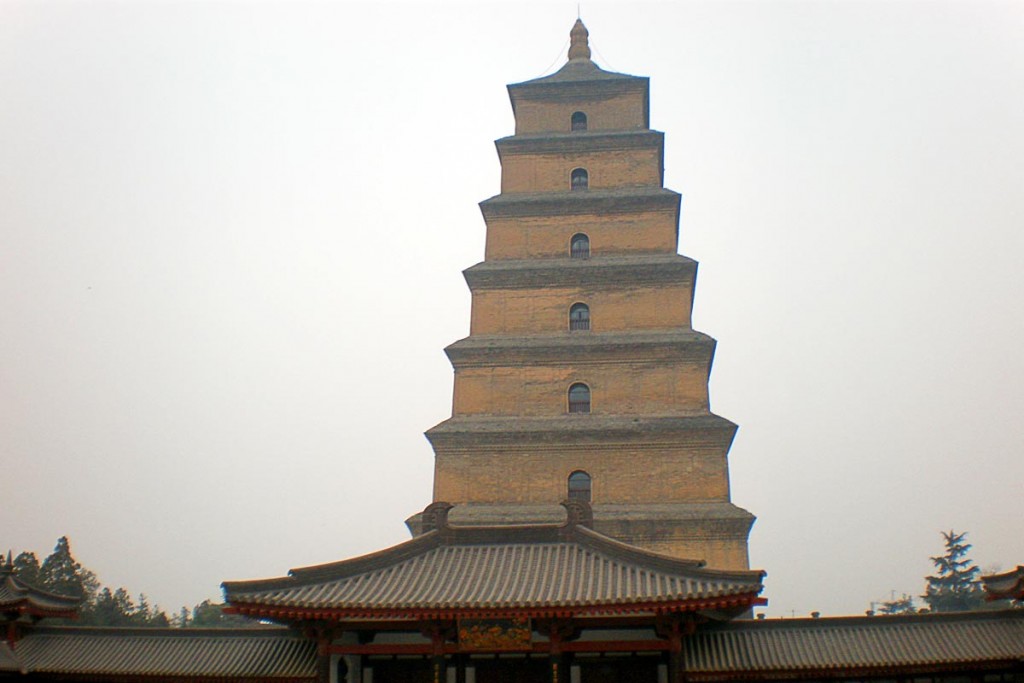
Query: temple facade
point(582, 377)
point(581, 529)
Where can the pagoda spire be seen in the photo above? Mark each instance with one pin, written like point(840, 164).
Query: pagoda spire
point(579, 47)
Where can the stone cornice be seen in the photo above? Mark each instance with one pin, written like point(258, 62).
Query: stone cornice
point(583, 347)
point(590, 202)
point(690, 519)
point(472, 433)
point(579, 143)
point(596, 272)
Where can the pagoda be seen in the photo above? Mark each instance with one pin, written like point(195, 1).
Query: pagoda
point(582, 377)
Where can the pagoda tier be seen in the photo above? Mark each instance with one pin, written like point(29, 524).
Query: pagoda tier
point(661, 483)
point(582, 376)
point(622, 222)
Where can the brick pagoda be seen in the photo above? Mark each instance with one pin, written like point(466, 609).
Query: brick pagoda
point(582, 376)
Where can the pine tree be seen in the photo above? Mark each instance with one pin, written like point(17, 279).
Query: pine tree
point(26, 567)
point(182, 619)
point(61, 573)
point(904, 605)
point(955, 587)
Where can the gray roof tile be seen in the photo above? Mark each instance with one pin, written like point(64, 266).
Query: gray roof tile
point(486, 569)
point(256, 653)
point(856, 643)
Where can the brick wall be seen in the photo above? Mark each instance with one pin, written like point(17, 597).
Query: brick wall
point(622, 112)
point(610, 235)
point(546, 311)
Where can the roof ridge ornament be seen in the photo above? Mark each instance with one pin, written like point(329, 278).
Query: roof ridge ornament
point(578, 513)
point(435, 516)
point(579, 46)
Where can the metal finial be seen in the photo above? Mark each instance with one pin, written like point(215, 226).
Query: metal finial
point(579, 47)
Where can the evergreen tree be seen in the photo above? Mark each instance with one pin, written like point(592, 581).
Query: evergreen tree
point(155, 616)
point(61, 573)
point(904, 605)
point(26, 567)
point(109, 609)
point(955, 587)
point(181, 619)
point(144, 615)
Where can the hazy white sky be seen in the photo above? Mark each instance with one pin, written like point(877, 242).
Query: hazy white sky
point(231, 237)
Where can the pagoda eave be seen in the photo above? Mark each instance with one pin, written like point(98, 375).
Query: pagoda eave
point(552, 89)
point(584, 347)
point(584, 431)
point(579, 142)
point(587, 202)
point(610, 272)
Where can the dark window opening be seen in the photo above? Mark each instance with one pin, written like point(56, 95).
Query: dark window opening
point(579, 317)
point(579, 486)
point(579, 246)
point(579, 398)
point(579, 121)
point(580, 179)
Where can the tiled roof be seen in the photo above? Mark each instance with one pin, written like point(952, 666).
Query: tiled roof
point(763, 650)
point(19, 597)
point(253, 653)
point(1006, 586)
point(538, 569)
point(851, 644)
point(8, 662)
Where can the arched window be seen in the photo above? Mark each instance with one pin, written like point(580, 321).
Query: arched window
point(579, 486)
point(580, 179)
point(579, 398)
point(579, 246)
point(579, 121)
point(579, 317)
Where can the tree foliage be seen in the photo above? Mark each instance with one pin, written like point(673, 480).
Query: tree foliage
point(61, 573)
point(26, 566)
point(208, 614)
point(904, 605)
point(955, 586)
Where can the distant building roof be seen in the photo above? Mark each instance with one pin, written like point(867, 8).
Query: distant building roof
point(773, 649)
point(535, 570)
point(253, 654)
point(18, 598)
point(1006, 586)
point(856, 645)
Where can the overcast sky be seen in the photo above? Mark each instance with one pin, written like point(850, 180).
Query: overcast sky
point(231, 237)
